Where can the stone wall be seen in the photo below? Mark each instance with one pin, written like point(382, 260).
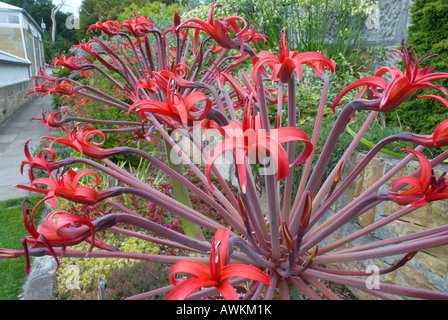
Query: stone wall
point(429, 268)
point(12, 98)
point(387, 24)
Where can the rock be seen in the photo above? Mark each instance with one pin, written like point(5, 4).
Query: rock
point(40, 283)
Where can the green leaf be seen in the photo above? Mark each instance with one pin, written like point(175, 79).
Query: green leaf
point(371, 144)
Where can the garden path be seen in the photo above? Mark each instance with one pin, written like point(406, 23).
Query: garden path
point(14, 132)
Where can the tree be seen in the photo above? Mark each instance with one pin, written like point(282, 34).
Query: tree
point(54, 11)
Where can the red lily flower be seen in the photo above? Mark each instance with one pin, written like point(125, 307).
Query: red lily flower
point(215, 274)
point(320, 66)
point(288, 62)
point(69, 61)
point(439, 138)
point(218, 29)
point(60, 230)
point(251, 35)
point(208, 125)
point(50, 119)
point(43, 75)
point(67, 187)
point(111, 28)
point(177, 108)
point(42, 160)
point(44, 87)
point(249, 138)
point(164, 78)
point(80, 141)
point(140, 134)
point(425, 188)
point(138, 26)
point(402, 86)
point(147, 84)
point(48, 87)
point(88, 48)
point(216, 49)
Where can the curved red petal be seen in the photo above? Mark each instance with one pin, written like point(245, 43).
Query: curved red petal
point(367, 81)
point(187, 287)
point(227, 291)
point(194, 268)
point(245, 271)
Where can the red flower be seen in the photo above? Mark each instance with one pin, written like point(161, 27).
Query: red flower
point(49, 87)
point(218, 29)
point(68, 61)
point(425, 188)
point(216, 49)
point(80, 141)
point(164, 78)
point(288, 62)
point(440, 136)
point(402, 86)
point(50, 119)
point(147, 84)
point(179, 109)
point(252, 36)
point(67, 187)
point(215, 274)
point(88, 48)
point(249, 138)
point(44, 87)
point(60, 230)
point(40, 161)
point(111, 28)
point(138, 26)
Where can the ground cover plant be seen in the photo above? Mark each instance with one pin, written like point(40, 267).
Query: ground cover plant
point(201, 79)
point(12, 228)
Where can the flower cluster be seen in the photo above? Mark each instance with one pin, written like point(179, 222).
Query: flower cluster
point(176, 85)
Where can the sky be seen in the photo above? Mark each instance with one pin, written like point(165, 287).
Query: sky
point(70, 6)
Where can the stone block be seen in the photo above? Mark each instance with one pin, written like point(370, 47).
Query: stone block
point(428, 269)
point(40, 284)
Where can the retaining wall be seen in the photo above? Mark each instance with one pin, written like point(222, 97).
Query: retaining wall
point(428, 269)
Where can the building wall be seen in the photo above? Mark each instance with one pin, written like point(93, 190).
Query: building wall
point(11, 41)
point(21, 38)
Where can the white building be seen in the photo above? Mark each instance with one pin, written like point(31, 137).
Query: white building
point(21, 55)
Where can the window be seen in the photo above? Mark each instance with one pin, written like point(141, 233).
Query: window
point(9, 18)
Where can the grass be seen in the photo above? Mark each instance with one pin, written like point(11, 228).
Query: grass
point(12, 271)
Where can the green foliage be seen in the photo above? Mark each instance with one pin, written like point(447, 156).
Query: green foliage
point(427, 34)
point(161, 15)
point(12, 273)
point(306, 23)
point(116, 10)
